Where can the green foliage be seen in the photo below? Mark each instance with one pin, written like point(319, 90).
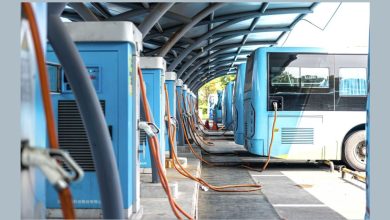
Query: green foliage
point(211, 88)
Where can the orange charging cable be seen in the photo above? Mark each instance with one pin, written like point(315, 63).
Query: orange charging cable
point(154, 148)
point(185, 173)
point(65, 195)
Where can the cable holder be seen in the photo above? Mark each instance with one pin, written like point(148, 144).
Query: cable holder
point(150, 128)
point(49, 162)
point(173, 120)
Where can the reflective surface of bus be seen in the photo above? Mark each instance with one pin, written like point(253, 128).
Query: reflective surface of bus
point(321, 100)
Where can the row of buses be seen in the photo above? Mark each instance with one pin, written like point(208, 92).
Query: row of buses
point(318, 98)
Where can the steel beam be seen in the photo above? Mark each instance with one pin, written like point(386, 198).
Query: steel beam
point(101, 10)
point(216, 62)
point(248, 15)
point(293, 23)
point(204, 80)
point(199, 76)
point(276, 11)
point(215, 43)
point(157, 12)
point(196, 85)
point(169, 14)
point(251, 28)
point(173, 65)
point(193, 76)
point(179, 48)
point(145, 4)
point(208, 35)
point(126, 16)
point(196, 19)
point(203, 70)
point(255, 30)
point(71, 16)
point(84, 11)
point(250, 43)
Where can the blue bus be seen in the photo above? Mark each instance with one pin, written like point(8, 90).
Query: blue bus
point(238, 105)
point(321, 101)
point(227, 106)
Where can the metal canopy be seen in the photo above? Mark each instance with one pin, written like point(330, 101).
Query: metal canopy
point(200, 41)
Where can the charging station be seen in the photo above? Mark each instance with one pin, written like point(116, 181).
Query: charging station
point(32, 118)
point(193, 102)
point(111, 59)
point(180, 134)
point(185, 107)
point(153, 71)
point(170, 82)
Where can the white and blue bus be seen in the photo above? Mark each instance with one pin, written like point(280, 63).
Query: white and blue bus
point(321, 100)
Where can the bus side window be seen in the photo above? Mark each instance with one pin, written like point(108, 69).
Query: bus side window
point(353, 81)
point(285, 76)
point(315, 77)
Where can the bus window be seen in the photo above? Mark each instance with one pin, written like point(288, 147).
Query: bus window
point(285, 76)
point(249, 73)
point(353, 81)
point(304, 82)
point(315, 77)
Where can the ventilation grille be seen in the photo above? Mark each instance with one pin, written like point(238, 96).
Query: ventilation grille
point(142, 133)
point(72, 135)
point(297, 135)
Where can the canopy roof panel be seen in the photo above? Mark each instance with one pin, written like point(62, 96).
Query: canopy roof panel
point(211, 38)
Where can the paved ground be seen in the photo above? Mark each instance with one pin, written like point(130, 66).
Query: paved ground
point(291, 190)
point(154, 200)
point(312, 192)
point(228, 205)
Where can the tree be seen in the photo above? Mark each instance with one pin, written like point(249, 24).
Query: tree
point(211, 88)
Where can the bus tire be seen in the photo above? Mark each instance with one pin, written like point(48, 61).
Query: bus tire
point(354, 149)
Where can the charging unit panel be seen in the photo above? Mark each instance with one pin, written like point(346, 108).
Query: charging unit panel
point(154, 77)
point(112, 69)
point(170, 82)
point(107, 66)
point(32, 118)
point(185, 108)
point(238, 105)
point(180, 134)
point(227, 99)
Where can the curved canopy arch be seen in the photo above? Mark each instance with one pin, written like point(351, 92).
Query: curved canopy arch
point(196, 39)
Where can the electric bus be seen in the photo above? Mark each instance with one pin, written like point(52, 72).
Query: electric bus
point(321, 105)
point(211, 102)
point(238, 105)
point(227, 106)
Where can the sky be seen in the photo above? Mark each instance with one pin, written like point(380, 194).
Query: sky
point(347, 31)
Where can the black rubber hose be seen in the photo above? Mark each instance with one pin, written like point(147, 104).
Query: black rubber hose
point(91, 113)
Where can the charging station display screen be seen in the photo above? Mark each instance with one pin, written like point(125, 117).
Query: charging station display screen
point(94, 75)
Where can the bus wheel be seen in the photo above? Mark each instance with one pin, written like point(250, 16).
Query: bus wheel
point(355, 150)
